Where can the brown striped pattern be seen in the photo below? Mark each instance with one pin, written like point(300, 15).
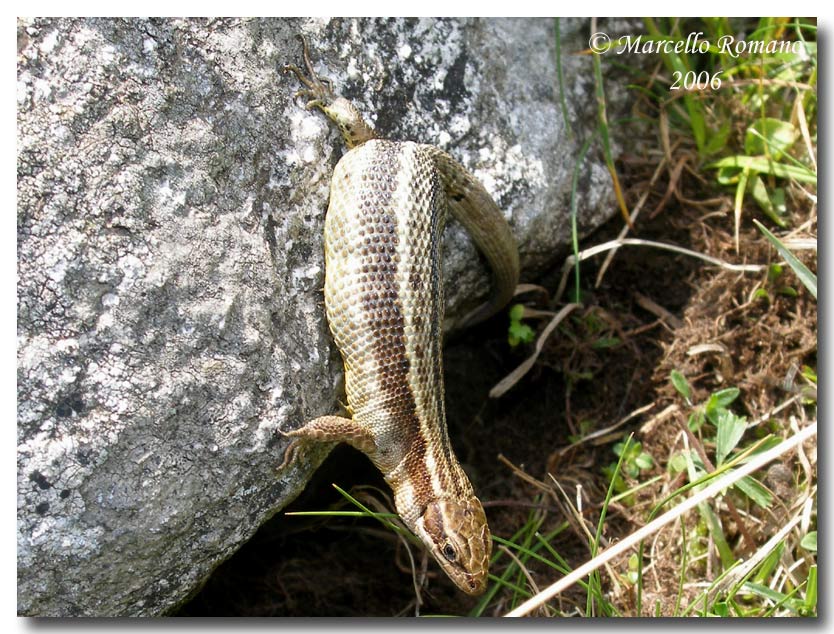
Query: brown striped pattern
point(384, 304)
point(384, 301)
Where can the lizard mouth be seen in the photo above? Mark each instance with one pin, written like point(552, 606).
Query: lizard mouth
point(475, 584)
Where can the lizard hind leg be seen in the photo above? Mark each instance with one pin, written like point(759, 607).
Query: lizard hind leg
point(318, 89)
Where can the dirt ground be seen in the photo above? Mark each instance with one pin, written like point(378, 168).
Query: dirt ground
point(611, 357)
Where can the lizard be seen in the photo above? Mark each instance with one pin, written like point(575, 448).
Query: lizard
point(384, 303)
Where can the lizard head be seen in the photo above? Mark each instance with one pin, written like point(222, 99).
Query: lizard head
point(457, 535)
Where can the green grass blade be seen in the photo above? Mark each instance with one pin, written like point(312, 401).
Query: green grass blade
point(802, 272)
point(574, 225)
point(684, 563)
point(762, 165)
point(561, 79)
point(501, 582)
point(811, 591)
point(694, 108)
point(594, 579)
point(606, 143)
point(340, 514)
point(526, 534)
point(779, 598)
point(532, 554)
point(379, 517)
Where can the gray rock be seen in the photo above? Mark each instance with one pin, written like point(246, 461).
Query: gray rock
point(171, 199)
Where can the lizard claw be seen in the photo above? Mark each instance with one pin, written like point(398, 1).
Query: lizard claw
point(319, 92)
point(292, 450)
point(319, 88)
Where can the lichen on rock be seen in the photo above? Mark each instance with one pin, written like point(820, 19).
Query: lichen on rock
point(171, 198)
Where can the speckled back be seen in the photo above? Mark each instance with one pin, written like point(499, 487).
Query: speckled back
point(384, 293)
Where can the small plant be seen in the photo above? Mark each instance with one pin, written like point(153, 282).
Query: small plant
point(725, 432)
point(633, 462)
point(805, 276)
point(756, 119)
point(765, 155)
point(519, 332)
point(584, 427)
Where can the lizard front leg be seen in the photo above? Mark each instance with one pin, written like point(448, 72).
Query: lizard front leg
point(330, 429)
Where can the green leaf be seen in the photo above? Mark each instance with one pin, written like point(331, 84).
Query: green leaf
point(644, 461)
point(612, 473)
point(764, 165)
point(520, 333)
point(681, 384)
point(764, 591)
point(724, 397)
point(769, 564)
point(802, 272)
point(809, 373)
point(727, 175)
point(755, 491)
point(772, 205)
point(633, 569)
point(605, 342)
point(696, 420)
point(717, 140)
point(770, 137)
point(730, 430)
point(811, 591)
point(778, 200)
point(718, 401)
point(762, 445)
point(713, 524)
point(677, 463)
point(776, 597)
point(761, 294)
point(738, 201)
point(809, 542)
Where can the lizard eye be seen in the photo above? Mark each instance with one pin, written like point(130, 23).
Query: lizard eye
point(449, 552)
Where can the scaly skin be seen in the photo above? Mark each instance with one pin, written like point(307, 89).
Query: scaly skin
point(384, 301)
